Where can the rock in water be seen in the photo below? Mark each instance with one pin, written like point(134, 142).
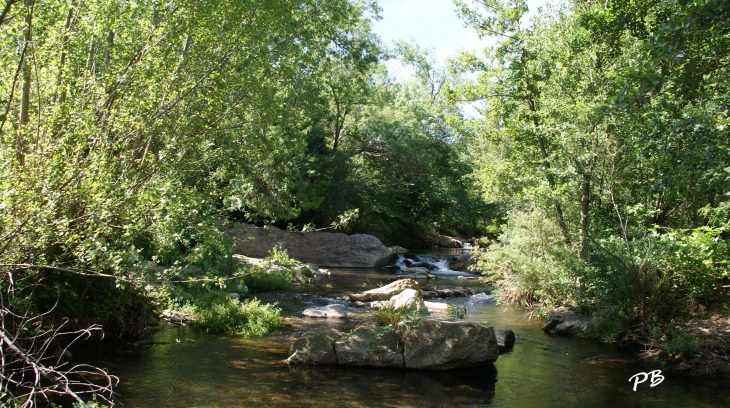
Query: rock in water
point(505, 339)
point(415, 269)
point(298, 359)
point(430, 345)
point(387, 291)
point(363, 348)
point(326, 249)
point(441, 345)
point(329, 311)
point(409, 299)
point(436, 306)
point(315, 347)
point(315, 269)
point(566, 320)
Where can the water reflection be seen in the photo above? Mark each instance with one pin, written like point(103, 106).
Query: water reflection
point(374, 387)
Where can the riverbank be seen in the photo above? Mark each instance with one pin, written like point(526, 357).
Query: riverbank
point(703, 349)
point(695, 346)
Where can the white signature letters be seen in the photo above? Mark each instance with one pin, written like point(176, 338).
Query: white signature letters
point(656, 378)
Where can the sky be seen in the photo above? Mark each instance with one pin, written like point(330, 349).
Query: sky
point(430, 23)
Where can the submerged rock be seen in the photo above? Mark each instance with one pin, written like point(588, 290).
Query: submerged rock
point(415, 270)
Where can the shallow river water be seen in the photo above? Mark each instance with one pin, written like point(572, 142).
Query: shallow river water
point(184, 368)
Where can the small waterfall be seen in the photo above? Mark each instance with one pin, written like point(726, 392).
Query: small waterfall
point(401, 261)
point(438, 266)
point(467, 245)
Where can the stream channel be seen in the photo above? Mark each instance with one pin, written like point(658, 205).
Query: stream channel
point(185, 368)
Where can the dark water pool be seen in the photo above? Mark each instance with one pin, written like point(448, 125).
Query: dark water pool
point(190, 369)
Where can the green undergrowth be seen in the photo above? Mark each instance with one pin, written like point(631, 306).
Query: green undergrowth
point(215, 312)
point(275, 272)
point(399, 321)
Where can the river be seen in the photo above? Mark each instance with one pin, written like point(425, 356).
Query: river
point(185, 368)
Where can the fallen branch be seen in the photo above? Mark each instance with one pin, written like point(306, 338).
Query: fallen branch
point(29, 377)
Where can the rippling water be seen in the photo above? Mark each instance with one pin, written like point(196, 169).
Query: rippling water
point(189, 369)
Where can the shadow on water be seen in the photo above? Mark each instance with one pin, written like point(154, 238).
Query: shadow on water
point(373, 387)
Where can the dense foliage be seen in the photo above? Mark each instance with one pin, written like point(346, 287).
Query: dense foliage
point(128, 128)
point(605, 138)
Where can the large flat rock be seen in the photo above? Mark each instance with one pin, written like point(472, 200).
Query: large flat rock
point(326, 249)
point(446, 344)
point(364, 347)
point(428, 345)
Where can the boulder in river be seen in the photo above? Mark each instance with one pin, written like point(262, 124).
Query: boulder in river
point(409, 299)
point(385, 292)
point(446, 344)
point(415, 269)
point(567, 320)
point(436, 306)
point(328, 249)
point(314, 269)
point(328, 312)
point(364, 348)
point(430, 345)
point(315, 347)
point(434, 292)
point(505, 339)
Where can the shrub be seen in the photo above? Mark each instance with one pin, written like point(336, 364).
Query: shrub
point(387, 316)
point(532, 264)
point(276, 272)
point(260, 280)
point(279, 256)
point(457, 312)
point(215, 312)
point(306, 272)
point(679, 342)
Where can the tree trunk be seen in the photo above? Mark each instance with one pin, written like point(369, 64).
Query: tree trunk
point(25, 93)
point(551, 181)
point(6, 10)
point(585, 201)
point(62, 61)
